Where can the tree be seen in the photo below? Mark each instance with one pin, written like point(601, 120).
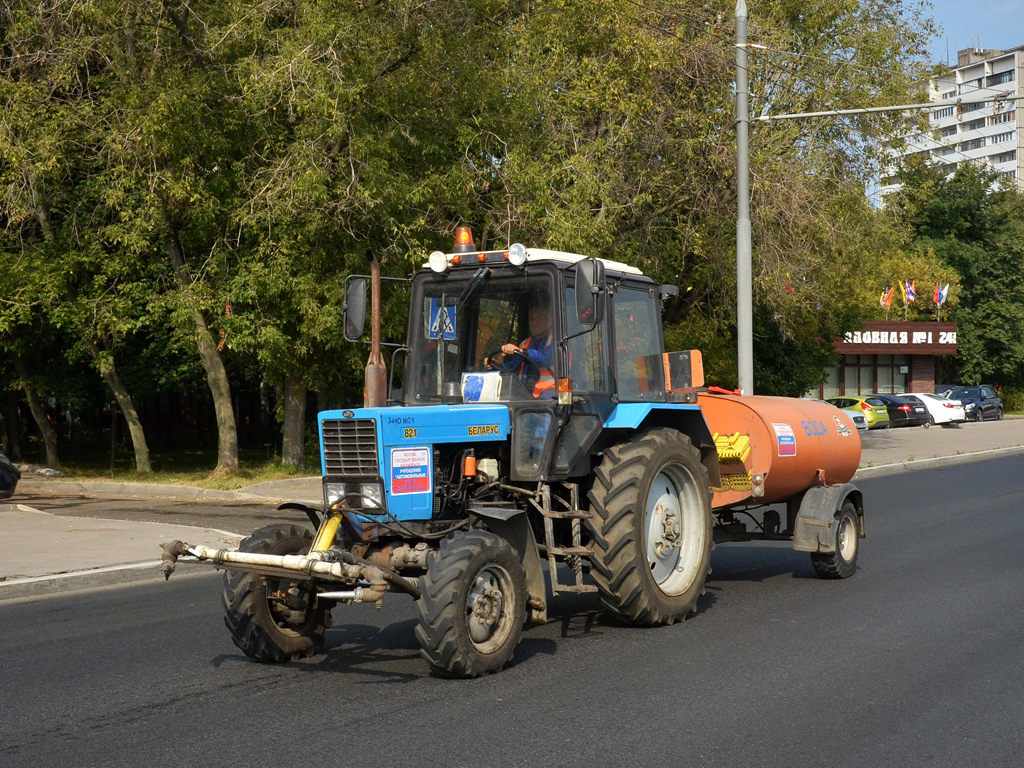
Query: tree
point(974, 225)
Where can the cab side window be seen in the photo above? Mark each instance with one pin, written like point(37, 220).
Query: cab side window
point(639, 371)
point(588, 367)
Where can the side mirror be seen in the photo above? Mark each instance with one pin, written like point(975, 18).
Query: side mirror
point(590, 291)
point(355, 309)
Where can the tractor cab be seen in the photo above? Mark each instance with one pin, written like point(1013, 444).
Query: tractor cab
point(557, 338)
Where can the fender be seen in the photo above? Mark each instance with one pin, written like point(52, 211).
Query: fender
point(514, 526)
point(684, 417)
point(814, 529)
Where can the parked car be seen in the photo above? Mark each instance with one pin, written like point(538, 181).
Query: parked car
point(873, 409)
point(856, 414)
point(941, 410)
point(9, 477)
point(980, 403)
point(903, 412)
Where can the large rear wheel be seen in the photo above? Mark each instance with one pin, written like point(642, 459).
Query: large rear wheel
point(651, 528)
point(472, 605)
point(269, 619)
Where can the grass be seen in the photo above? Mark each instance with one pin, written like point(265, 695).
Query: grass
point(182, 468)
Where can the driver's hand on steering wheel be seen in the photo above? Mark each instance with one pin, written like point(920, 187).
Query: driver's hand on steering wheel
point(511, 349)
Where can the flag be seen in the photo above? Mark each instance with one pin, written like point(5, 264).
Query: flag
point(910, 292)
point(903, 290)
point(938, 292)
point(886, 298)
point(942, 294)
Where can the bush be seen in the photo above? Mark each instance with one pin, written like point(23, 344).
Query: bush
point(1013, 400)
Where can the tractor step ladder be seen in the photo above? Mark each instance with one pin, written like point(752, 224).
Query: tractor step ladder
point(574, 553)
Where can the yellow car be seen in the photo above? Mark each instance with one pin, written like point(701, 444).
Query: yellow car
point(873, 408)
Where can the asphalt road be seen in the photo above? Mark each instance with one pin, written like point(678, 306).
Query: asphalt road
point(916, 660)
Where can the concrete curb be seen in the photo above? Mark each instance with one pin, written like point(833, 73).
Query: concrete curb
point(939, 461)
point(74, 581)
point(143, 490)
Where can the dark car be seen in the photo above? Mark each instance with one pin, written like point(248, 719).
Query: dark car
point(903, 412)
point(9, 477)
point(980, 403)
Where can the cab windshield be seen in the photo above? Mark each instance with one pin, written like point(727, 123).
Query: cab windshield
point(463, 328)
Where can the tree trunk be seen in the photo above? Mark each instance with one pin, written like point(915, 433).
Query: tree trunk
point(216, 374)
point(293, 449)
point(13, 430)
point(124, 400)
point(38, 413)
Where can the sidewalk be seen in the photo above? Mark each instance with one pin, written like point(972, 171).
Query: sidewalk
point(42, 554)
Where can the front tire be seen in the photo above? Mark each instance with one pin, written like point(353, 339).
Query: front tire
point(841, 563)
point(472, 605)
point(272, 620)
point(651, 528)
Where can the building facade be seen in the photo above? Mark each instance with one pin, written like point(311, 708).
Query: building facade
point(981, 126)
point(889, 357)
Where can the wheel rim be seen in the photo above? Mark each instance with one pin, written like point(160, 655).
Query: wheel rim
point(288, 620)
point(488, 618)
point(674, 530)
point(847, 540)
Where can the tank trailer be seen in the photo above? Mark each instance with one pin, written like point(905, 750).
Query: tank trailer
point(539, 418)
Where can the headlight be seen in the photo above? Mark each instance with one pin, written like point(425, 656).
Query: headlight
point(970, 406)
point(373, 495)
point(333, 492)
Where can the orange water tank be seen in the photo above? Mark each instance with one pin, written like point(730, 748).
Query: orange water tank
point(771, 448)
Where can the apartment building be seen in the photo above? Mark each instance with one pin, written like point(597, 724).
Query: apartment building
point(982, 126)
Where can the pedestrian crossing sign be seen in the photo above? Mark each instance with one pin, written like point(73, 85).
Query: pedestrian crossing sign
point(442, 321)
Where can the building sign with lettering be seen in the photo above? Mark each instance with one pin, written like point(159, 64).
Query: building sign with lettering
point(900, 338)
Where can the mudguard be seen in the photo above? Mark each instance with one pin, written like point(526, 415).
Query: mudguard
point(814, 529)
point(514, 526)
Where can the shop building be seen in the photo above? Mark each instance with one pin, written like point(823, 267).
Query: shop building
point(889, 357)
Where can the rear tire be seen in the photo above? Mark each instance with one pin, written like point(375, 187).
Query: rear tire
point(651, 528)
point(472, 605)
point(841, 563)
point(262, 625)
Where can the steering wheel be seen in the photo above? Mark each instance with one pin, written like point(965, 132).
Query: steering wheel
point(518, 354)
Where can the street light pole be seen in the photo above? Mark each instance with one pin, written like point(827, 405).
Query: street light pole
point(744, 280)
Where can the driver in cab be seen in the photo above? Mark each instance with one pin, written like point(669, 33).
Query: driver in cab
point(533, 357)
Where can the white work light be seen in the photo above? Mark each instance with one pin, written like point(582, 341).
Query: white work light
point(517, 254)
point(438, 261)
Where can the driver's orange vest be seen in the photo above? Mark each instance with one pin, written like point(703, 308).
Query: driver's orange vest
point(546, 382)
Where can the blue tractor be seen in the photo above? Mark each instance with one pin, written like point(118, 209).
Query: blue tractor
point(539, 418)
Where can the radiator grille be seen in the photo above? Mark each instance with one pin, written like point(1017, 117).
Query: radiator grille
point(350, 446)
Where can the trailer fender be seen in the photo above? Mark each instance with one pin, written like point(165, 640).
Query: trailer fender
point(814, 528)
point(514, 526)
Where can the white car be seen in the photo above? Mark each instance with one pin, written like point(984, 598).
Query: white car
point(941, 410)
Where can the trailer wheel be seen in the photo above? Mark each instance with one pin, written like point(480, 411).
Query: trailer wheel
point(840, 564)
point(473, 604)
point(651, 528)
point(269, 619)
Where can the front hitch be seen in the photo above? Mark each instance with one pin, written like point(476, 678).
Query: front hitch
point(331, 565)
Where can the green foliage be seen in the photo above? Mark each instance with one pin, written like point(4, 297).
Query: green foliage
point(974, 225)
point(275, 144)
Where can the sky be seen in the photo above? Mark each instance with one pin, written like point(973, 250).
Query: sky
point(999, 23)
